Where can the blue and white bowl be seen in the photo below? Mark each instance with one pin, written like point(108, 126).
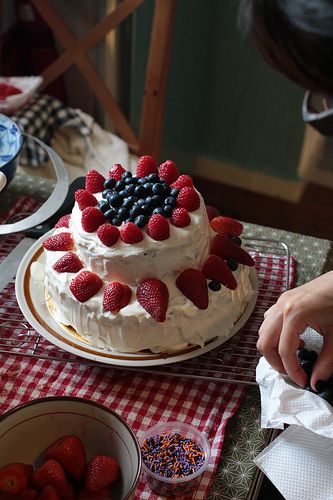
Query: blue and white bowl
point(11, 142)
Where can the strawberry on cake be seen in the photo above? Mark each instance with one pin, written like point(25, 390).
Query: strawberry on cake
point(142, 264)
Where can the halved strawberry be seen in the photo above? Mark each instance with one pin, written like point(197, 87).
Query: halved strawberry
point(91, 219)
point(192, 283)
point(15, 477)
point(51, 473)
point(116, 171)
point(146, 165)
point(101, 472)
point(153, 295)
point(168, 171)
point(226, 225)
point(68, 263)
point(158, 227)
point(215, 268)
point(85, 199)
point(116, 296)
point(63, 221)
point(94, 181)
point(227, 249)
point(188, 198)
point(59, 242)
point(85, 285)
point(108, 234)
point(69, 451)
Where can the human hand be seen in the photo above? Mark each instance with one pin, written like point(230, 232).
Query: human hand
point(310, 305)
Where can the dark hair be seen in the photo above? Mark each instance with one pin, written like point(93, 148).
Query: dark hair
point(295, 37)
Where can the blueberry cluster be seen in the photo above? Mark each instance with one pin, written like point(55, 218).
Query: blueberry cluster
point(324, 388)
point(135, 199)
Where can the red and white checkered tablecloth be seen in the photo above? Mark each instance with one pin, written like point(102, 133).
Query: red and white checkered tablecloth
point(140, 399)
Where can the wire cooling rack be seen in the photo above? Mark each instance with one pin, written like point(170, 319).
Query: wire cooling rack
point(233, 361)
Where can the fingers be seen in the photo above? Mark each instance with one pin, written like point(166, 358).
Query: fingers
point(323, 367)
point(288, 345)
point(268, 342)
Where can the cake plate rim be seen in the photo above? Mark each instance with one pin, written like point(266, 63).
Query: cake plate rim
point(33, 305)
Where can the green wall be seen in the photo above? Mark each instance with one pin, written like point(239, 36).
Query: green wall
point(223, 101)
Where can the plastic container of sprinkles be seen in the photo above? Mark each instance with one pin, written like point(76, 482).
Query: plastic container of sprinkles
point(174, 457)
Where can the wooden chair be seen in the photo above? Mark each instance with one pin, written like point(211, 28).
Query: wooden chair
point(149, 139)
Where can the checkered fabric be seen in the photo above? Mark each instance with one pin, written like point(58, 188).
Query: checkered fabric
point(41, 117)
point(141, 400)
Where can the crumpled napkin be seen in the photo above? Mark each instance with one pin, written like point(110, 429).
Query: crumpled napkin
point(300, 461)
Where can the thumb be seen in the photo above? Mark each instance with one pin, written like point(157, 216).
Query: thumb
point(323, 367)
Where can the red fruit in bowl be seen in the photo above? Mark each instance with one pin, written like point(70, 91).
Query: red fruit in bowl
point(15, 477)
point(51, 473)
point(49, 493)
point(153, 296)
point(98, 495)
point(192, 283)
point(101, 472)
point(226, 225)
point(69, 451)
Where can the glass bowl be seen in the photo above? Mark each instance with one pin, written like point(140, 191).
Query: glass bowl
point(172, 437)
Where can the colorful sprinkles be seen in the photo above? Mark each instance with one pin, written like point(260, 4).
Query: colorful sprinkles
point(172, 455)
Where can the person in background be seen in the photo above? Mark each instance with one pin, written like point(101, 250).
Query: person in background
point(296, 38)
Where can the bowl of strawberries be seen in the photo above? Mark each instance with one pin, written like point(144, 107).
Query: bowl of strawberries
point(67, 448)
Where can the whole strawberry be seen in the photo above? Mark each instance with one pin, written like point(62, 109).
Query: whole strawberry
point(101, 472)
point(69, 451)
point(168, 172)
point(188, 198)
point(49, 493)
point(94, 182)
point(158, 227)
point(227, 249)
point(116, 296)
point(215, 268)
point(153, 295)
point(130, 233)
point(192, 283)
point(15, 478)
point(226, 225)
point(108, 234)
point(59, 242)
point(91, 219)
point(51, 473)
point(63, 221)
point(85, 285)
point(116, 171)
point(146, 165)
point(68, 263)
point(85, 199)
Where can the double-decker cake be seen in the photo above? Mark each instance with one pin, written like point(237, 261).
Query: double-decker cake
point(141, 264)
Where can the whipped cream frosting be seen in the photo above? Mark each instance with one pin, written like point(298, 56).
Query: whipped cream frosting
point(132, 329)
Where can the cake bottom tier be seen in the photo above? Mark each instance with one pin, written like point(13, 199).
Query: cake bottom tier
point(132, 329)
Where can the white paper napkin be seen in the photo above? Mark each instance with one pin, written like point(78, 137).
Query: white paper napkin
point(300, 461)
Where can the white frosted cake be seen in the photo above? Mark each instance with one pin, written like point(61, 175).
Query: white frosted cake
point(138, 265)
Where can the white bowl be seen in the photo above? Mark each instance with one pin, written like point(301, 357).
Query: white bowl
point(27, 430)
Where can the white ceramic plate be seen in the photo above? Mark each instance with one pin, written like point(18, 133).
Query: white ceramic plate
point(31, 299)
